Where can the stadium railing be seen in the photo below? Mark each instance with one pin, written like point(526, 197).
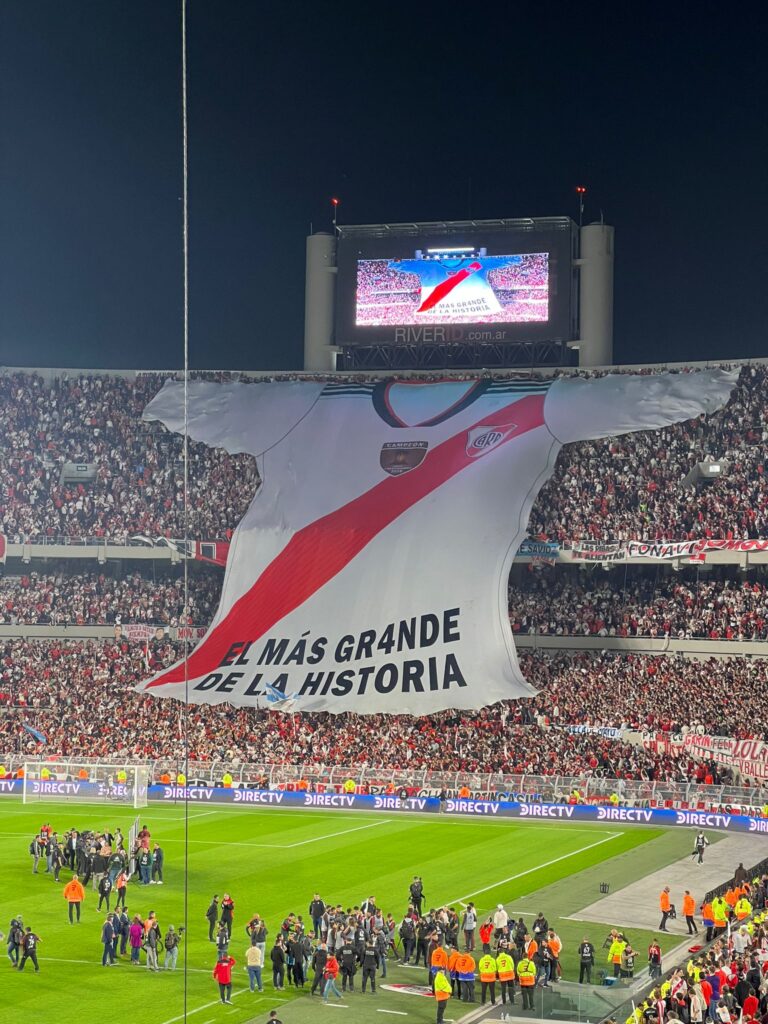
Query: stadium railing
point(527, 788)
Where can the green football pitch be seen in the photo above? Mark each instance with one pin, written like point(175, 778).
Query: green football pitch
point(272, 861)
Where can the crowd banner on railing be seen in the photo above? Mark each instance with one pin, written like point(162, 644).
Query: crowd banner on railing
point(749, 757)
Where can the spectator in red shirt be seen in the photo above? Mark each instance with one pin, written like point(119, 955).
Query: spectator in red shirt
point(751, 1004)
point(222, 972)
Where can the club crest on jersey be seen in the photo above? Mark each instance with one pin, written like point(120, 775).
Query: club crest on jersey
point(481, 440)
point(398, 457)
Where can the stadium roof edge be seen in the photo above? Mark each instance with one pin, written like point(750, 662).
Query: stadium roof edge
point(52, 372)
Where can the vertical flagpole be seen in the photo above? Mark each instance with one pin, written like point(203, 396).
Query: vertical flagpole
point(185, 272)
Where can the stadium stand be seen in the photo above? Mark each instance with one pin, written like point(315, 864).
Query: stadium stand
point(79, 691)
point(689, 606)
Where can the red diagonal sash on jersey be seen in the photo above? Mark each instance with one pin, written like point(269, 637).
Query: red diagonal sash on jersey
point(439, 292)
point(319, 551)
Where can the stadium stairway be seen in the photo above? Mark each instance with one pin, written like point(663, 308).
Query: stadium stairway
point(566, 1001)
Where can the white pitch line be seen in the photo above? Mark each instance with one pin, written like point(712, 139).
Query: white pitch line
point(538, 867)
point(400, 1013)
point(206, 1006)
point(332, 835)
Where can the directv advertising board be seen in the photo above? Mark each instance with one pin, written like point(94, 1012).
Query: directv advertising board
point(481, 284)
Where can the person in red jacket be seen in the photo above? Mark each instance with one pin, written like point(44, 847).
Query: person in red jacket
point(331, 973)
point(222, 972)
point(486, 931)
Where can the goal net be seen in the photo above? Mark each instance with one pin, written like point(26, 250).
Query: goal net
point(85, 783)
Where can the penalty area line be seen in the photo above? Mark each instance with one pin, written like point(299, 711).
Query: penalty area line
point(538, 867)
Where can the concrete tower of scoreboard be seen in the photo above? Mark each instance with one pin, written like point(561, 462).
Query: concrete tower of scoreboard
point(587, 278)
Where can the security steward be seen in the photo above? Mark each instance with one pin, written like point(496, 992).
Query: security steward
point(74, 894)
point(487, 969)
point(526, 975)
point(438, 961)
point(370, 961)
point(442, 994)
point(505, 968)
point(465, 972)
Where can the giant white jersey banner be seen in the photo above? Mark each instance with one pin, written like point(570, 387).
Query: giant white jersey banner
point(370, 571)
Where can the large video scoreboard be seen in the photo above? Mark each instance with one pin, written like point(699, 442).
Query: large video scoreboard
point(453, 283)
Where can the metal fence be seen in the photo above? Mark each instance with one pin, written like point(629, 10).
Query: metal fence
point(530, 788)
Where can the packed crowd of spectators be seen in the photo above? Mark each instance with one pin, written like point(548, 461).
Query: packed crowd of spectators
point(97, 598)
point(725, 983)
point(723, 697)
point(139, 480)
point(79, 694)
point(677, 606)
point(630, 487)
point(617, 489)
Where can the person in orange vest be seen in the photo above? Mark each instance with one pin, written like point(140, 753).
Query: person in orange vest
point(438, 961)
point(121, 885)
point(555, 946)
point(505, 968)
point(708, 919)
point(442, 994)
point(667, 908)
point(453, 956)
point(689, 909)
point(465, 972)
point(74, 894)
point(464, 793)
point(531, 948)
point(486, 931)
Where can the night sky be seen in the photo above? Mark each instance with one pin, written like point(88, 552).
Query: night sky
point(407, 112)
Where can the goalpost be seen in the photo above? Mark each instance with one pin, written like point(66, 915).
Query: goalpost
point(85, 783)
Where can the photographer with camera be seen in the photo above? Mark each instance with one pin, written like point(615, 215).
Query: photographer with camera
point(172, 943)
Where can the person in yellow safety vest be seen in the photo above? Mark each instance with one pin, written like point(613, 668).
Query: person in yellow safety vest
point(226, 780)
point(181, 779)
point(122, 776)
point(614, 799)
point(526, 974)
point(487, 968)
point(45, 774)
point(742, 909)
point(505, 968)
point(349, 786)
point(614, 954)
point(443, 993)
point(720, 914)
point(765, 810)
point(2, 771)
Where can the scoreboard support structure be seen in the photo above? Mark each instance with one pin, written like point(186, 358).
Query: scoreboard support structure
point(578, 262)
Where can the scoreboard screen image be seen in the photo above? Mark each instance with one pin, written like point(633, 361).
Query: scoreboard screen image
point(453, 286)
point(473, 282)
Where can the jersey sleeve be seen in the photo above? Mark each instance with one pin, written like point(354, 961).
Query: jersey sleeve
point(581, 409)
point(234, 416)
